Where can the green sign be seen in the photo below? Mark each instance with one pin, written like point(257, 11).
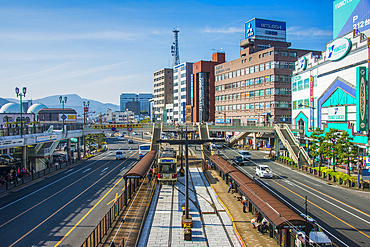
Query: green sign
point(361, 97)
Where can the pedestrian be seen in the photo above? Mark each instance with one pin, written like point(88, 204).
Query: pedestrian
point(230, 187)
point(244, 201)
point(150, 176)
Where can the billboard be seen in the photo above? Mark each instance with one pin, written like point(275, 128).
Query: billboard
point(349, 15)
point(265, 29)
point(68, 117)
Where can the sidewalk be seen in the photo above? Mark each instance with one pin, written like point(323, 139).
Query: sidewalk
point(250, 236)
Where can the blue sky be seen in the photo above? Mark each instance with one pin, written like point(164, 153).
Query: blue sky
point(100, 49)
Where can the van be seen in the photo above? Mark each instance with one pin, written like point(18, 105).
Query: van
point(120, 155)
point(246, 155)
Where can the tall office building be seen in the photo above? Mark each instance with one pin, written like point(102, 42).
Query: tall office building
point(144, 98)
point(163, 93)
point(256, 87)
point(124, 98)
point(181, 90)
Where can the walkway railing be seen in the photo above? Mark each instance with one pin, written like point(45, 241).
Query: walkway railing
point(12, 130)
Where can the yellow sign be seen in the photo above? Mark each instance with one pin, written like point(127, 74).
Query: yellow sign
point(110, 126)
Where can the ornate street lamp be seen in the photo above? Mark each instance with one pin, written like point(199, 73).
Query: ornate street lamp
point(313, 114)
point(23, 94)
point(63, 101)
point(86, 109)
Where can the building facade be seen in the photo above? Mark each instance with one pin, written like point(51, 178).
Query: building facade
point(133, 106)
point(202, 90)
point(331, 90)
point(163, 92)
point(181, 90)
point(124, 98)
point(255, 88)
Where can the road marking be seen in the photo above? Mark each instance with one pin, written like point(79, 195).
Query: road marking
point(86, 170)
point(96, 204)
point(114, 200)
point(62, 207)
point(123, 168)
point(104, 169)
point(354, 228)
point(50, 184)
point(69, 170)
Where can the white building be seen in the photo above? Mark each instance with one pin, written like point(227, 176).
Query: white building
point(181, 90)
point(120, 117)
point(163, 92)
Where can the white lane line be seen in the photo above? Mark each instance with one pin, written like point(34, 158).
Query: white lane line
point(104, 169)
point(69, 170)
point(50, 184)
point(86, 170)
point(123, 168)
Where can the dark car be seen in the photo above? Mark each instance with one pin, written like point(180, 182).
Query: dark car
point(239, 160)
point(130, 141)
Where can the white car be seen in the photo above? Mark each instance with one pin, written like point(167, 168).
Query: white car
point(246, 155)
point(263, 171)
point(135, 133)
point(120, 155)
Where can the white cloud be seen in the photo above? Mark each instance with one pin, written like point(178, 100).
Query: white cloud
point(223, 30)
point(312, 33)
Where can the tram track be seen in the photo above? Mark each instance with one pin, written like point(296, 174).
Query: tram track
point(171, 218)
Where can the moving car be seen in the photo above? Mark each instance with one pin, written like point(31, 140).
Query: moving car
point(239, 160)
point(130, 141)
point(120, 155)
point(263, 171)
point(135, 133)
point(246, 155)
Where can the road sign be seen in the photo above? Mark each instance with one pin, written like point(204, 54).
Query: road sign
point(113, 128)
point(129, 129)
point(64, 117)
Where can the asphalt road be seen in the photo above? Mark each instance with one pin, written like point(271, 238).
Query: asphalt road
point(343, 214)
point(62, 209)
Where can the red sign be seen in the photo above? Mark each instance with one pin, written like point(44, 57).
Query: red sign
point(86, 109)
point(129, 129)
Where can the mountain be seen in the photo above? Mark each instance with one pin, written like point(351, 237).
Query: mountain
point(74, 101)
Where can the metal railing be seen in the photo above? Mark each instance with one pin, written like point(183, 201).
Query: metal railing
point(13, 130)
point(286, 143)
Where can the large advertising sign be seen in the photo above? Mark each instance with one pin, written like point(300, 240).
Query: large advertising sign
point(265, 29)
point(338, 49)
point(337, 113)
point(361, 97)
point(349, 15)
point(311, 103)
point(11, 143)
point(201, 95)
point(68, 117)
point(192, 90)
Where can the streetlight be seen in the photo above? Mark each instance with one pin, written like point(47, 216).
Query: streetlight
point(86, 109)
point(313, 113)
point(63, 101)
point(24, 89)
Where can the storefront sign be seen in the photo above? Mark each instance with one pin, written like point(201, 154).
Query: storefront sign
point(338, 49)
point(11, 143)
point(68, 117)
point(192, 90)
point(311, 102)
point(337, 113)
point(303, 63)
point(362, 103)
point(46, 138)
point(228, 120)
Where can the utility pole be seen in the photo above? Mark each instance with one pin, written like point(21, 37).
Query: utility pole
point(306, 239)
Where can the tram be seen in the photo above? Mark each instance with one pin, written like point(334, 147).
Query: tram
point(167, 166)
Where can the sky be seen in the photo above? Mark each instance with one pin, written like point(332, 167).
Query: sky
point(100, 49)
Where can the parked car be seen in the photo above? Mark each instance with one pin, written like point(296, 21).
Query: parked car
point(246, 154)
point(130, 141)
point(8, 157)
point(239, 160)
point(3, 161)
point(263, 171)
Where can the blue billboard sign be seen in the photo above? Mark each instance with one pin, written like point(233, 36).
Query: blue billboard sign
point(349, 15)
point(183, 112)
point(265, 29)
point(221, 120)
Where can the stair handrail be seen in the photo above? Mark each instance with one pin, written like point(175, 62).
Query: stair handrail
point(301, 149)
point(286, 143)
point(290, 133)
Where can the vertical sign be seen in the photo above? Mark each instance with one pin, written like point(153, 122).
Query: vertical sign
point(201, 95)
point(192, 90)
point(183, 112)
point(361, 93)
point(164, 115)
point(311, 102)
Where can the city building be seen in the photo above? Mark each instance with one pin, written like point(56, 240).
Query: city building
point(181, 90)
point(124, 98)
point(255, 88)
point(202, 90)
point(133, 106)
point(136, 102)
point(54, 115)
point(144, 98)
point(119, 117)
point(163, 92)
point(331, 90)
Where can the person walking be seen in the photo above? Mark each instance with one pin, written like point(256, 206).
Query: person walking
point(244, 201)
point(230, 187)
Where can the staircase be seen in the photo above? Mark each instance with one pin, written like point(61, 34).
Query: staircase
point(236, 138)
point(206, 147)
point(42, 150)
point(157, 134)
point(292, 145)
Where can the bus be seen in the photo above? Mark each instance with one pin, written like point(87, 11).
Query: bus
point(143, 149)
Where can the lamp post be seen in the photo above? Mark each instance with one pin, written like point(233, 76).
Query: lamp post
point(63, 101)
point(20, 95)
point(313, 114)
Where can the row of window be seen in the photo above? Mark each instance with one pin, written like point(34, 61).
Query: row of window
point(177, 97)
point(256, 93)
point(268, 78)
point(265, 54)
point(159, 78)
point(159, 90)
point(182, 83)
point(255, 69)
point(303, 84)
point(259, 105)
point(303, 104)
point(183, 89)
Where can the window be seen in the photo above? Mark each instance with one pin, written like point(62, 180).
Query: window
point(272, 78)
point(250, 59)
point(262, 79)
point(234, 84)
point(251, 93)
point(226, 76)
point(267, 78)
point(183, 68)
point(291, 65)
point(300, 85)
point(274, 104)
point(175, 84)
point(222, 77)
point(284, 53)
point(242, 72)
point(315, 81)
point(262, 67)
point(251, 81)
point(300, 104)
point(222, 87)
point(183, 96)
point(234, 96)
point(272, 91)
point(262, 105)
point(238, 96)
point(267, 91)
point(238, 84)
point(284, 91)
point(183, 82)
point(234, 107)
point(306, 103)
point(242, 106)
point(242, 95)
point(246, 71)
point(176, 90)
point(176, 70)
point(257, 93)
point(256, 68)
point(176, 105)
point(183, 89)
point(246, 106)
point(256, 105)
point(284, 65)
point(292, 54)
point(222, 97)
point(262, 92)
point(246, 82)
point(274, 64)
point(230, 96)
point(238, 73)
point(294, 105)
point(256, 80)
point(284, 104)
point(231, 74)
point(226, 86)
point(251, 106)
point(175, 77)
point(247, 94)
point(242, 83)
point(267, 66)
point(176, 98)
point(265, 54)
point(306, 83)
point(251, 70)
point(238, 107)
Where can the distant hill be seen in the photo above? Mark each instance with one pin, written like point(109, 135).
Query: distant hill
point(74, 101)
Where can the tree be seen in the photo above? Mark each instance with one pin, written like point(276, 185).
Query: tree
point(314, 148)
point(347, 150)
point(330, 146)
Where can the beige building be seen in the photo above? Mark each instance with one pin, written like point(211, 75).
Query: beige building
point(163, 92)
point(256, 87)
